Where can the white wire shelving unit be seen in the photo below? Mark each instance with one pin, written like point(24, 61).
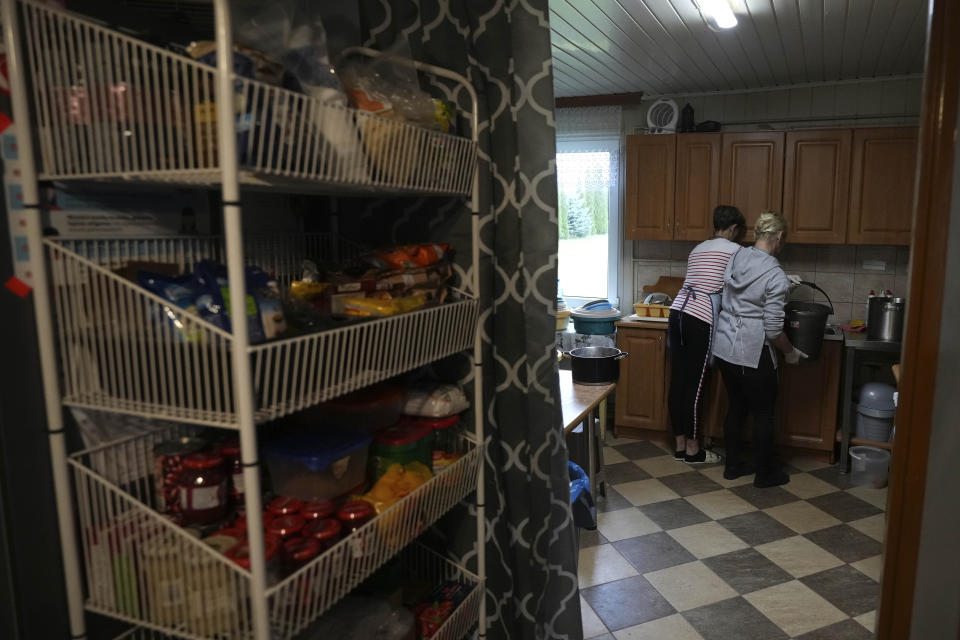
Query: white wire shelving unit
point(105, 106)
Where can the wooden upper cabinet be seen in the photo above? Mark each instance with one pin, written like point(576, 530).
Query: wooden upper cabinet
point(882, 184)
point(641, 390)
point(698, 185)
point(650, 170)
point(751, 177)
point(817, 185)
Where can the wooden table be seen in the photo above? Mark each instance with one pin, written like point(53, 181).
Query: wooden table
point(586, 404)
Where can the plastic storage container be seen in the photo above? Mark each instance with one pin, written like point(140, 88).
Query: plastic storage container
point(405, 442)
point(318, 466)
point(447, 439)
point(869, 466)
point(875, 412)
point(596, 318)
point(368, 409)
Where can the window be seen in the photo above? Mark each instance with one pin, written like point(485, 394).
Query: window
point(588, 218)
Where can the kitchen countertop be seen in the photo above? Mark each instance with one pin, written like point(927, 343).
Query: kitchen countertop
point(643, 324)
point(858, 340)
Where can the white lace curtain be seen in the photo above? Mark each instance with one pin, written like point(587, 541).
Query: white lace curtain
point(593, 135)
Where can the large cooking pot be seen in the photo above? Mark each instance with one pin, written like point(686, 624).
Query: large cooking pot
point(596, 365)
point(885, 318)
point(805, 323)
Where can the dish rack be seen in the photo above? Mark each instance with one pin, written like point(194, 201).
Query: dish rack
point(106, 106)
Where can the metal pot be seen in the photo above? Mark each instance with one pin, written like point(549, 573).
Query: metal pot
point(885, 318)
point(596, 365)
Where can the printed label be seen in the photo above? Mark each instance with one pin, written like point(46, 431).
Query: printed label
point(339, 468)
point(794, 324)
point(202, 498)
point(238, 483)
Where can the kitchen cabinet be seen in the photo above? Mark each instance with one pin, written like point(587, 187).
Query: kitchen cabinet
point(816, 186)
point(641, 401)
point(807, 403)
point(752, 172)
point(882, 185)
point(697, 185)
point(650, 172)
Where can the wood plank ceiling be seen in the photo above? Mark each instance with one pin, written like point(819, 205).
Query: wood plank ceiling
point(663, 47)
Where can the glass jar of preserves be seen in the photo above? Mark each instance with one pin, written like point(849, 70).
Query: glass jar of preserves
point(353, 515)
point(299, 550)
point(203, 489)
point(317, 510)
point(284, 506)
point(240, 554)
point(285, 527)
point(233, 466)
point(326, 531)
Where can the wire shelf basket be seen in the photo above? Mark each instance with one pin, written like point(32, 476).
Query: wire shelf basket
point(110, 106)
point(146, 570)
point(125, 349)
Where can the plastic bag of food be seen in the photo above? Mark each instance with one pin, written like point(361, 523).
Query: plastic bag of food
point(435, 401)
point(409, 256)
point(291, 32)
point(265, 319)
point(181, 290)
point(380, 307)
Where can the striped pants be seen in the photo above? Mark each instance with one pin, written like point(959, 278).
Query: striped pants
point(689, 355)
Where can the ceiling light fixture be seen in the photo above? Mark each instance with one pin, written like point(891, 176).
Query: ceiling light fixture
point(717, 14)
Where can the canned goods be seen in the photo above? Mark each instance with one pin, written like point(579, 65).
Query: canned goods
point(168, 459)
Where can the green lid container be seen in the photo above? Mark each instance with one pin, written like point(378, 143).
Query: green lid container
point(402, 443)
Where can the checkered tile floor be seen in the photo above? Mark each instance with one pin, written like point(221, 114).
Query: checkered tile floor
point(682, 554)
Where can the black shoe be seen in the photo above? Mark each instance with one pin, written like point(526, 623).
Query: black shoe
point(738, 471)
point(703, 457)
point(771, 480)
point(680, 455)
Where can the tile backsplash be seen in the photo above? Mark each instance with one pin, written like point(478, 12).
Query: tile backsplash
point(846, 273)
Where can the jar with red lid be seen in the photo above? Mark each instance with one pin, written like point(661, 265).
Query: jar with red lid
point(233, 466)
point(203, 488)
point(285, 527)
point(284, 506)
point(317, 510)
point(299, 550)
point(326, 531)
point(353, 515)
point(240, 554)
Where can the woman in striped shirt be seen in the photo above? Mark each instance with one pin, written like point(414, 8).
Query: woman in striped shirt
point(692, 318)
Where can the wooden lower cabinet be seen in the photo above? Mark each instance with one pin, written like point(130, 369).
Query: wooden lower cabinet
point(641, 402)
point(807, 403)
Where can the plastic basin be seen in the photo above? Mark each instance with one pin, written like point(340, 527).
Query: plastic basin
point(869, 466)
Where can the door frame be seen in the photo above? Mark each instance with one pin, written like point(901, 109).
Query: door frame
point(934, 185)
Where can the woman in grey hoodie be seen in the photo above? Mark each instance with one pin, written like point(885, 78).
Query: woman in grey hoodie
point(748, 330)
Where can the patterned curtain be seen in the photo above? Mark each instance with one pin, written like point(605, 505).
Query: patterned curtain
point(504, 50)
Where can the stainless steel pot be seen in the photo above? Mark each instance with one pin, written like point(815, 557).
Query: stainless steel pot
point(596, 365)
point(885, 318)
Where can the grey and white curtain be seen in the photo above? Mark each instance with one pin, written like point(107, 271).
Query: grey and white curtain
point(504, 50)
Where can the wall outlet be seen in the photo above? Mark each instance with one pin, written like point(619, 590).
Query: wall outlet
point(874, 265)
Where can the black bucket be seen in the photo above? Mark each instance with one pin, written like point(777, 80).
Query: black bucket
point(805, 323)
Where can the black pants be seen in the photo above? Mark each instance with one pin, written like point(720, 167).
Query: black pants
point(754, 392)
point(689, 354)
